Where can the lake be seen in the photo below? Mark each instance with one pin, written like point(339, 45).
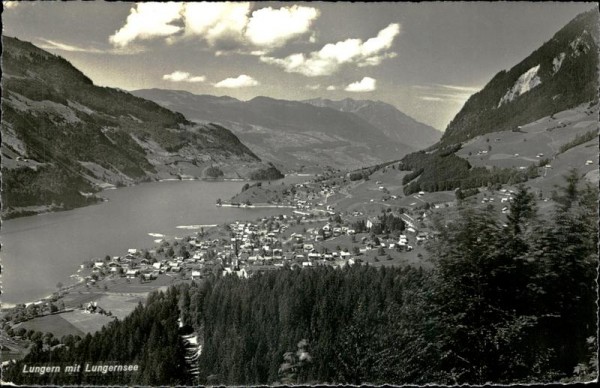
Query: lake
point(40, 251)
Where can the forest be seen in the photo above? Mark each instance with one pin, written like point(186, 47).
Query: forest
point(441, 170)
point(505, 302)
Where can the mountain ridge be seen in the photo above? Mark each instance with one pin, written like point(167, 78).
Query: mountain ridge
point(386, 117)
point(561, 74)
point(290, 133)
point(65, 138)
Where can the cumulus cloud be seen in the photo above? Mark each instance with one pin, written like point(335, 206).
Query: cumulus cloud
point(10, 4)
point(367, 84)
point(147, 21)
point(313, 87)
point(182, 76)
point(269, 27)
point(220, 24)
point(331, 87)
point(241, 81)
point(333, 55)
point(225, 26)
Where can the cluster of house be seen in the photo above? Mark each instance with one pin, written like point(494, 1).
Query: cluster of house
point(131, 265)
point(252, 247)
point(306, 199)
point(505, 197)
point(261, 246)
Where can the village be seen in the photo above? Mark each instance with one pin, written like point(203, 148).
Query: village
point(381, 227)
point(314, 234)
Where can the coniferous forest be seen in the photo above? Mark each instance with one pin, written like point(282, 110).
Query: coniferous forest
point(503, 303)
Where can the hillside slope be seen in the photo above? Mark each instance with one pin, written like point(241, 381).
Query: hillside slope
point(558, 80)
point(290, 133)
point(392, 122)
point(560, 75)
point(64, 138)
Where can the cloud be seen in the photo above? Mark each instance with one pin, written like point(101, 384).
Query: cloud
point(50, 44)
point(367, 84)
point(313, 87)
point(225, 26)
point(54, 45)
point(10, 4)
point(456, 94)
point(241, 81)
point(147, 21)
point(271, 28)
point(331, 87)
point(199, 78)
point(332, 56)
point(220, 24)
point(182, 76)
point(460, 88)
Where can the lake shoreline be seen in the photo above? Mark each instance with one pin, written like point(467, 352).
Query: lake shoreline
point(40, 251)
point(22, 212)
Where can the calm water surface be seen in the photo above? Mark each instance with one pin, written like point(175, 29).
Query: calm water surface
point(40, 251)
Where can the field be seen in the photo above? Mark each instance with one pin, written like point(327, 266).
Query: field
point(84, 322)
point(368, 198)
point(78, 322)
point(539, 140)
point(57, 324)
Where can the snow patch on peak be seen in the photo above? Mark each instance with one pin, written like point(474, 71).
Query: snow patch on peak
point(525, 83)
point(557, 63)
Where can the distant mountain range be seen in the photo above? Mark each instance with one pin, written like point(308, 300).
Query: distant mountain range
point(387, 118)
point(63, 138)
point(293, 134)
point(560, 75)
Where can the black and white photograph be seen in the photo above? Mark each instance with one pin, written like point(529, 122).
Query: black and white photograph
point(292, 193)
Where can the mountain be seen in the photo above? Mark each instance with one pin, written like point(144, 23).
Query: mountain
point(560, 75)
point(64, 138)
point(392, 122)
point(291, 133)
point(532, 123)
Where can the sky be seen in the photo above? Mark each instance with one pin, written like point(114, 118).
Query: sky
point(424, 58)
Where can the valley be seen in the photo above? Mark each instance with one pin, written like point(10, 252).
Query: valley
point(324, 238)
point(64, 138)
point(300, 135)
